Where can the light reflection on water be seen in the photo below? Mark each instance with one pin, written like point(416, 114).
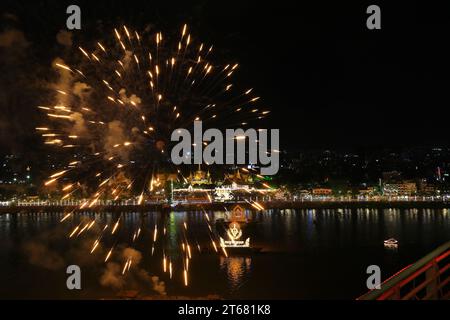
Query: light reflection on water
point(237, 269)
point(309, 253)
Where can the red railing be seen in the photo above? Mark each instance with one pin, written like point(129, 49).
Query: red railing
point(427, 279)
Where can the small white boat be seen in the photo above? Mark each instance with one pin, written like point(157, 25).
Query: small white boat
point(391, 242)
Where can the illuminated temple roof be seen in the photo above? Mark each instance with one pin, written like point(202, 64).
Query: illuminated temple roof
point(239, 178)
point(199, 177)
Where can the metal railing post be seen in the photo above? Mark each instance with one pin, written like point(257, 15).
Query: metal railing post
point(432, 275)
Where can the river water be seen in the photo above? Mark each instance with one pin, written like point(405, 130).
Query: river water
point(306, 254)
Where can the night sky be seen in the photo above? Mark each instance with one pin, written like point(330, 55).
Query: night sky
point(329, 81)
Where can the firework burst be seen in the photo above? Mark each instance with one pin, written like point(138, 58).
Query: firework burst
point(118, 105)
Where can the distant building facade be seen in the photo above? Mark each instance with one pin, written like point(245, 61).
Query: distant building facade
point(405, 188)
point(322, 192)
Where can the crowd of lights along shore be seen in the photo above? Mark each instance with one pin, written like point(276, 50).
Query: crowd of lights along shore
point(133, 90)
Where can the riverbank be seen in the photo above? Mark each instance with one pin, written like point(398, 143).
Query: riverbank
point(229, 205)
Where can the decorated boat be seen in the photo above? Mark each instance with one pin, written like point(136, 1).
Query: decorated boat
point(391, 243)
point(233, 233)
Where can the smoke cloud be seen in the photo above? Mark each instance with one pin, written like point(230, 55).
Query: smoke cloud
point(133, 99)
point(64, 37)
point(41, 256)
point(112, 276)
point(13, 38)
point(135, 278)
